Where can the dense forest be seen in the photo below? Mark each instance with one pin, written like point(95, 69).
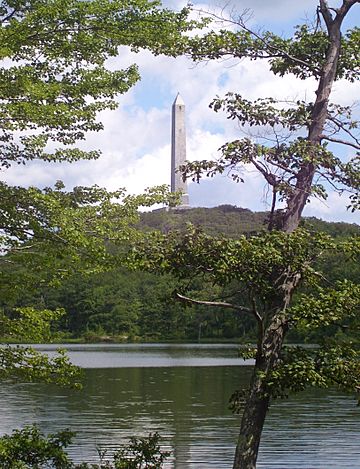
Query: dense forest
point(125, 305)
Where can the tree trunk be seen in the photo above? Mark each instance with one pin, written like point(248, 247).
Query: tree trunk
point(304, 179)
point(258, 401)
point(251, 426)
point(270, 347)
point(268, 353)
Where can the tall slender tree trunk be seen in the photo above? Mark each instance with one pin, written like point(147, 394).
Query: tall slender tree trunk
point(251, 426)
point(304, 179)
point(258, 401)
point(257, 404)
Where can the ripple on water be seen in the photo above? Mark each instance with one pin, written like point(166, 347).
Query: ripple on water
point(188, 406)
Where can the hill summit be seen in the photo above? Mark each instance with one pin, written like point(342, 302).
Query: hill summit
point(231, 221)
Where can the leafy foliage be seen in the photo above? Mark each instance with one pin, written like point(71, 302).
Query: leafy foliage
point(29, 324)
point(328, 306)
point(54, 80)
point(257, 261)
point(141, 453)
point(29, 365)
point(54, 232)
point(302, 55)
point(332, 364)
point(29, 448)
point(57, 81)
point(25, 363)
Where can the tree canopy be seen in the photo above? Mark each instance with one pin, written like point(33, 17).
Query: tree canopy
point(54, 74)
point(55, 78)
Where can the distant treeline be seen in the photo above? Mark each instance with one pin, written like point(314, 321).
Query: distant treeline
point(128, 305)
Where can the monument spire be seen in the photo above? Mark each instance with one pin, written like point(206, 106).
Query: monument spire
point(178, 149)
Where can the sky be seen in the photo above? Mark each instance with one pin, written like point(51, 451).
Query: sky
point(135, 144)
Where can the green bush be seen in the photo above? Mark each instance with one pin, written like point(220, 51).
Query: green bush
point(29, 448)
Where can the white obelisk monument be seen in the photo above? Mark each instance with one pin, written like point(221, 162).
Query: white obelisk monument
point(178, 150)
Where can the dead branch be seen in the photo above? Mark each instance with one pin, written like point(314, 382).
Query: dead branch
point(221, 304)
point(339, 140)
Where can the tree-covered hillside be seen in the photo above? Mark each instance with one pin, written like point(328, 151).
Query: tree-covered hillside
point(226, 220)
point(231, 221)
point(131, 305)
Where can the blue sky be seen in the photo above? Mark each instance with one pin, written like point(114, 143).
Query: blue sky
point(135, 144)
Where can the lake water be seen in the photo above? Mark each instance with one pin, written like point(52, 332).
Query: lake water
point(182, 391)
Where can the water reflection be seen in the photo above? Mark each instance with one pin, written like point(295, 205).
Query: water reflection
point(150, 355)
point(187, 405)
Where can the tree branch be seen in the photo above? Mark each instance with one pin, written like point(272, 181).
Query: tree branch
point(269, 177)
point(241, 309)
point(274, 51)
point(260, 323)
point(345, 7)
point(255, 312)
point(340, 12)
point(272, 210)
point(343, 126)
point(326, 14)
point(339, 140)
point(9, 16)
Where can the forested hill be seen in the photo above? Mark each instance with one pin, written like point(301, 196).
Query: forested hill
point(231, 221)
point(129, 305)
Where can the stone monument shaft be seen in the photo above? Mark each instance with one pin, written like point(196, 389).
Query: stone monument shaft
point(178, 149)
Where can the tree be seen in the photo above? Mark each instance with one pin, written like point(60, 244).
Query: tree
point(270, 267)
point(54, 81)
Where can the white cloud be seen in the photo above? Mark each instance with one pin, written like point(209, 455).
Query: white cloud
point(332, 209)
point(263, 11)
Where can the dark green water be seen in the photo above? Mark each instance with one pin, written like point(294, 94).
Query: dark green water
point(182, 392)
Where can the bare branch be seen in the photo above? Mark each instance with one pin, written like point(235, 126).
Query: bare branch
point(340, 12)
point(329, 179)
point(9, 16)
point(343, 126)
point(278, 51)
point(272, 210)
point(283, 168)
point(339, 140)
point(260, 322)
point(256, 313)
point(274, 51)
point(240, 309)
point(269, 177)
point(22, 248)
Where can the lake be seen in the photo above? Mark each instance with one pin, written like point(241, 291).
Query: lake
point(182, 391)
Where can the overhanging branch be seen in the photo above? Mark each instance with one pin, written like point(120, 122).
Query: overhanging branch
point(220, 304)
point(339, 140)
point(273, 50)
